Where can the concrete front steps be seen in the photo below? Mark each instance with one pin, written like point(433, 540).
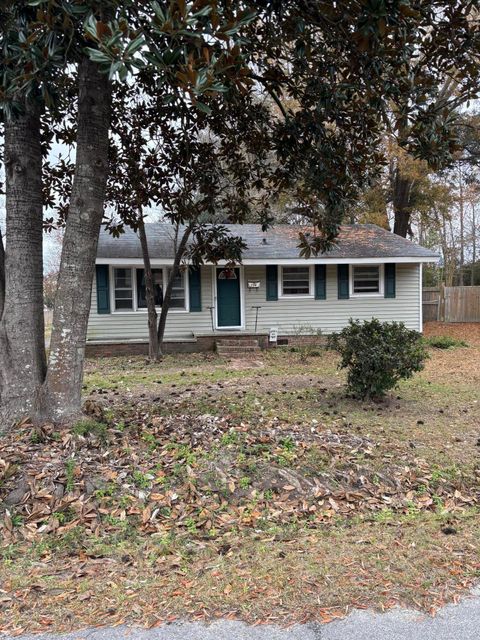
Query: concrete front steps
point(235, 347)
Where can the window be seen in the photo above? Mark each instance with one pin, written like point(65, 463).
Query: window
point(177, 300)
point(129, 290)
point(366, 280)
point(123, 289)
point(142, 289)
point(296, 281)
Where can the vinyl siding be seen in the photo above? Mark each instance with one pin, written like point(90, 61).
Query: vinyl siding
point(333, 314)
point(133, 325)
point(285, 314)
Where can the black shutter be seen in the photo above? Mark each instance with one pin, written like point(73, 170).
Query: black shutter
point(272, 281)
point(320, 282)
point(390, 280)
point(195, 289)
point(141, 289)
point(343, 283)
point(103, 288)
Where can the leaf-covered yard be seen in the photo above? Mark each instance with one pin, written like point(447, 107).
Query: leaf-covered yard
point(201, 487)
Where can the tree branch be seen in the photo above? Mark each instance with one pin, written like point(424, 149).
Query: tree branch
point(179, 253)
point(149, 291)
point(271, 93)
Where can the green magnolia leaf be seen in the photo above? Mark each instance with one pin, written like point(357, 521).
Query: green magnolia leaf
point(114, 69)
point(203, 12)
point(134, 46)
point(136, 64)
point(201, 106)
point(90, 26)
point(122, 72)
point(158, 11)
point(97, 56)
point(114, 40)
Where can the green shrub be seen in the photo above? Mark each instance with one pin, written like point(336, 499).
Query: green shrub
point(377, 355)
point(444, 342)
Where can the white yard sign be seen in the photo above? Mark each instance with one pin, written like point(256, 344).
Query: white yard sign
point(273, 334)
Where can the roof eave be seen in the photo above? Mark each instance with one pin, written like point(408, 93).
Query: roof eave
point(285, 261)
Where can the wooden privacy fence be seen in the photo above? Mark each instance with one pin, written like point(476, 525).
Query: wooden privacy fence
point(430, 300)
point(451, 304)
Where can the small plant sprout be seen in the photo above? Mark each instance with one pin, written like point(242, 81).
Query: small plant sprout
point(70, 475)
point(245, 482)
point(309, 341)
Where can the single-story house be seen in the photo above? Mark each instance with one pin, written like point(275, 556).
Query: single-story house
point(274, 293)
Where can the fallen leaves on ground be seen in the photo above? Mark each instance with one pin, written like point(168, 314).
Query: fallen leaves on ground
point(198, 474)
point(166, 497)
point(154, 508)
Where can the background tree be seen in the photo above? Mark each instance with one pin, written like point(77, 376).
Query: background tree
point(452, 90)
point(415, 111)
point(442, 205)
point(51, 267)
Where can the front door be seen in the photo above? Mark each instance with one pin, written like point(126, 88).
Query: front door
point(229, 313)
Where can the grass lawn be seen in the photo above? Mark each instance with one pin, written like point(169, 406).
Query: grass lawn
point(251, 488)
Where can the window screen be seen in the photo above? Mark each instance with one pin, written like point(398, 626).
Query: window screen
point(366, 279)
point(123, 289)
point(295, 281)
point(178, 291)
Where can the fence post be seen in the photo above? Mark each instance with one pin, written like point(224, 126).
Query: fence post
point(441, 303)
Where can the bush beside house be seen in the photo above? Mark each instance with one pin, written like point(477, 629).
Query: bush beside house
point(378, 355)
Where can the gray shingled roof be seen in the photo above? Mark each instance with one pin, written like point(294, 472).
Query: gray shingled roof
point(354, 241)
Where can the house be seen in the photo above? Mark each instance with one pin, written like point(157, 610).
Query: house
point(369, 273)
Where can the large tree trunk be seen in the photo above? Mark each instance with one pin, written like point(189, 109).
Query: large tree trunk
point(179, 253)
point(22, 340)
point(474, 246)
point(61, 398)
point(461, 203)
point(149, 293)
point(2, 274)
point(402, 188)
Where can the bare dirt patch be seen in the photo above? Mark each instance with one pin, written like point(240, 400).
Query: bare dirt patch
point(468, 331)
point(455, 365)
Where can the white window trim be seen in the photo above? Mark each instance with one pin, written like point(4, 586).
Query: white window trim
point(297, 296)
point(381, 282)
point(114, 289)
point(144, 310)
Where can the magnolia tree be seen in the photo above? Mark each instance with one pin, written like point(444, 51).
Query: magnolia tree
point(333, 70)
point(199, 167)
point(51, 52)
